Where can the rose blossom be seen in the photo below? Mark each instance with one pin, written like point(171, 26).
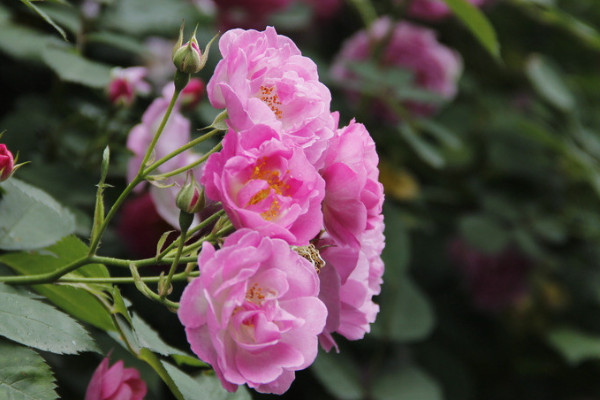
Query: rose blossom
point(353, 194)
point(435, 67)
point(115, 383)
point(125, 83)
point(266, 185)
point(325, 8)
point(263, 79)
point(175, 134)
point(253, 313)
point(7, 163)
point(247, 13)
point(351, 277)
point(433, 10)
point(495, 281)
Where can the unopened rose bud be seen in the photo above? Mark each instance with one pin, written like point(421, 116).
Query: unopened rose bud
point(188, 58)
point(125, 83)
point(192, 93)
point(190, 198)
point(7, 163)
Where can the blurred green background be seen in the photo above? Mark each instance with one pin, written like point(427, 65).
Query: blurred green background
point(492, 282)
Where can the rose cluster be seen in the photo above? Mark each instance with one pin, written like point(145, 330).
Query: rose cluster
point(435, 68)
point(304, 197)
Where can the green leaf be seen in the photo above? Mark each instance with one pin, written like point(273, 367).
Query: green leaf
point(45, 17)
point(548, 83)
point(123, 42)
point(396, 253)
point(30, 218)
point(149, 338)
point(406, 383)
point(38, 325)
point(208, 385)
point(477, 23)
point(158, 367)
point(76, 301)
point(24, 375)
point(339, 374)
point(426, 151)
point(574, 345)
point(484, 233)
point(406, 314)
point(441, 133)
point(22, 43)
point(72, 67)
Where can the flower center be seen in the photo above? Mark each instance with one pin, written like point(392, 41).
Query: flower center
point(272, 177)
point(272, 100)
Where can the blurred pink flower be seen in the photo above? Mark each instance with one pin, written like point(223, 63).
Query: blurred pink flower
point(140, 226)
point(7, 162)
point(263, 79)
point(253, 313)
point(176, 133)
point(353, 194)
point(351, 277)
point(435, 67)
point(125, 83)
point(115, 383)
point(433, 10)
point(266, 185)
point(325, 8)
point(247, 14)
point(495, 281)
point(192, 93)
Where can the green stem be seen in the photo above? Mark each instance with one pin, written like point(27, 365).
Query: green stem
point(192, 231)
point(146, 291)
point(46, 277)
point(146, 262)
point(365, 10)
point(187, 167)
point(148, 279)
point(161, 127)
point(167, 283)
point(53, 276)
point(180, 150)
point(138, 178)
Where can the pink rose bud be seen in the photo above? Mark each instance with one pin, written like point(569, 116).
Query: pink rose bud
point(7, 163)
point(190, 198)
point(188, 57)
point(125, 83)
point(115, 382)
point(192, 93)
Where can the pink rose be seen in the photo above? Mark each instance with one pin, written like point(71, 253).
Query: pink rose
point(353, 194)
point(263, 79)
point(7, 163)
point(115, 383)
point(125, 83)
point(435, 67)
point(175, 134)
point(192, 93)
point(433, 10)
point(495, 281)
point(266, 185)
point(247, 13)
point(140, 226)
point(253, 313)
point(351, 277)
point(325, 8)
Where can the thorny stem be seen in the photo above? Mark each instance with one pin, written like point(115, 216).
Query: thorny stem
point(180, 150)
point(138, 178)
point(189, 166)
point(53, 276)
